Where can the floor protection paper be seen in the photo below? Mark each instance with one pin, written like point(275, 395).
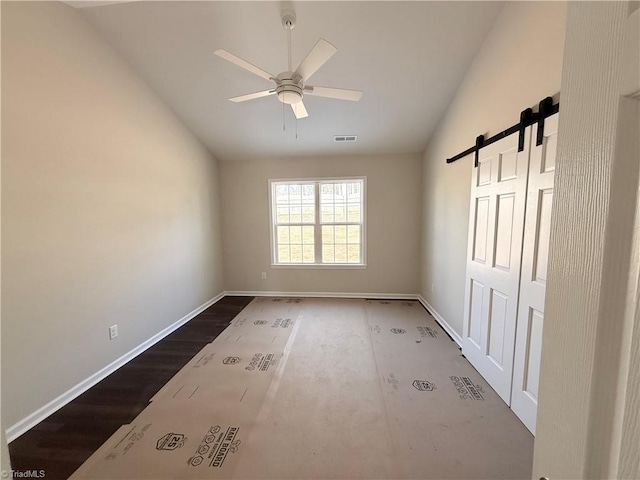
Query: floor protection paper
point(196, 425)
point(322, 389)
point(446, 422)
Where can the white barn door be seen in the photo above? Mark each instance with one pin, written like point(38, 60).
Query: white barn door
point(524, 400)
point(496, 219)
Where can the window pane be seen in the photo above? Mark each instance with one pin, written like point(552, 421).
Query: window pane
point(308, 254)
point(295, 235)
point(327, 235)
point(282, 194)
point(326, 193)
point(327, 214)
point(353, 192)
point(341, 233)
point(353, 234)
point(295, 193)
point(341, 253)
point(295, 203)
point(283, 235)
point(308, 214)
point(282, 214)
point(353, 214)
point(354, 253)
point(296, 253)
point(283, 254)
point(344, 205)
point(327, 254)
point(308, 195)
point(296, 214)
point(307, 235)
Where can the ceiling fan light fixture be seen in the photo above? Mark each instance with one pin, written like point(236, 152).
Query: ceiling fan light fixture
point(289, 93)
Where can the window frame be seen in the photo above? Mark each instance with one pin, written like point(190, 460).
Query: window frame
point(317, 181)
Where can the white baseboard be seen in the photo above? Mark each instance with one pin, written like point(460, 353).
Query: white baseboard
point(14, 431)
point(30, 421)
point(443, 323)
point(384, 296)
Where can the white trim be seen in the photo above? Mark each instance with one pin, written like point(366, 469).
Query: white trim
point(320, 266)
point(443, 323)
point(317, 179)
point(317, 183)
point(382, 296)
point(30, 421)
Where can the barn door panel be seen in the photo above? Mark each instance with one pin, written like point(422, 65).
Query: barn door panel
point(524, 400)
point(497, 208)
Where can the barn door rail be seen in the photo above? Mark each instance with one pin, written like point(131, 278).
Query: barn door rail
point(546, 108)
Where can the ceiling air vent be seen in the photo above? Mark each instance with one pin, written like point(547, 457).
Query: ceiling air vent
point(345, 138)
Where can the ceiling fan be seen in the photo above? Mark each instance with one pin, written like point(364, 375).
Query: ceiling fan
point(290, 86)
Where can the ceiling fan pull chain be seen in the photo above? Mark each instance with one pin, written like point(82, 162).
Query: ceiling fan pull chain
point(296, 123)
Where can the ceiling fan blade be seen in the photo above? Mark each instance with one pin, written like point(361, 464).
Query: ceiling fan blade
point(339, 93)
point(319, 54)
point(299, 110)
point(230, 57)
point(251, 96)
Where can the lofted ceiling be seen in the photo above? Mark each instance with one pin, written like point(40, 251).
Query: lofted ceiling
point(408, 58)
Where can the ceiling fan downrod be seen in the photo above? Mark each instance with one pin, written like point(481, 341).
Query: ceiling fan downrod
point(289, 88)
point(289, 23)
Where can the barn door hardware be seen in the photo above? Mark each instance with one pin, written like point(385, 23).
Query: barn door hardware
point(479, 145)
point(525, 118)
point(546, 108)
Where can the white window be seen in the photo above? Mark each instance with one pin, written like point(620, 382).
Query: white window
point(318, 222)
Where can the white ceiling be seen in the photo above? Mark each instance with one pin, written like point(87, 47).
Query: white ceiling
point(407, 57)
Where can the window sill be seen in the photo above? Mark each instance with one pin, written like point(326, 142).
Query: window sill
point(314, 266)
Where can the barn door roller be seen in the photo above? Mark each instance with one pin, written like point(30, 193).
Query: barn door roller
point(546, 108)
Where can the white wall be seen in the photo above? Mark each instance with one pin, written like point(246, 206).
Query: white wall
point(588, 415)
point(520, 63)
point(393, 218)
point(110, 208)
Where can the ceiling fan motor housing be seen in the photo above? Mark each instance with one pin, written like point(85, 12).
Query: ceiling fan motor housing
point(289, 89)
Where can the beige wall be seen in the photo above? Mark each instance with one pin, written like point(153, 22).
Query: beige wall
point(109, 208)
point(519, 63)
point(393, 217)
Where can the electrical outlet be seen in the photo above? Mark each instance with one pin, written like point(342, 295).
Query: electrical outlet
point(113, 331)
point(264, 275)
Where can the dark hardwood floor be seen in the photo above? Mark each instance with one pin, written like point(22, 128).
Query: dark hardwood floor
point(62, 442)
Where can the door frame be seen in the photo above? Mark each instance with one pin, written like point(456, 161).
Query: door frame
point(589, 390)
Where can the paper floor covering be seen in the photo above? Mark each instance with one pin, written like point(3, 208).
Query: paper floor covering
point(322, 389)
